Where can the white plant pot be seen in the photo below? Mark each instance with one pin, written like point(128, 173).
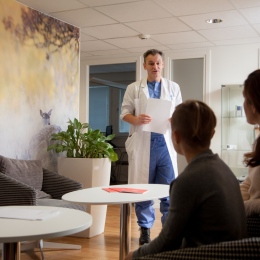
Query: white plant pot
point(91, 173)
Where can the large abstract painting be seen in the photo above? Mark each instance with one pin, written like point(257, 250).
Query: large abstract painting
point(39, 81)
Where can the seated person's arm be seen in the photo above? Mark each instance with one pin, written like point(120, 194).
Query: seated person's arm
point(171, 236)
point(244, 187)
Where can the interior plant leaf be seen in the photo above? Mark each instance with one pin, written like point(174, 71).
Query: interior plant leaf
point(81, 141)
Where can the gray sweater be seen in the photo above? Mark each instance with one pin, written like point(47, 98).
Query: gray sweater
point(206, 207)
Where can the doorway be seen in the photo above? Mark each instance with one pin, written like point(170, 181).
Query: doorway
point(107, 85)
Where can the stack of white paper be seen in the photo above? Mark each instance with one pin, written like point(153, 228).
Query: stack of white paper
point(159, 110)
point(27, 214)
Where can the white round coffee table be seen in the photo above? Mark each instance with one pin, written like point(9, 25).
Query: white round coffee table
point(66, 222)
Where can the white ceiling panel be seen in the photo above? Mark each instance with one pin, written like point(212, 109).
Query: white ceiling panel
point(190, 45)
point(96, 46)
point(84, 37)
point(85, 54)
point(252, 14)
point(229, 18)
point(48, 6)
point(229, 33)
point(257, 27)
point(144, 49)
point(105, 2)
point(181, 37)
point(109, 52)
point(131, 42)
point(84, 17)
point(111, 27)
point(246, 3)
point(238, 41)
point(110, 31)
point(136, 11)
point(164, 25)
point(187, 7)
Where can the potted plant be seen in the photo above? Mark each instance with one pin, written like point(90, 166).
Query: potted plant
point(87, 157)
point(79, 143)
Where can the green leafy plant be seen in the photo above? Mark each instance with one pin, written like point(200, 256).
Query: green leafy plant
point(80, 141)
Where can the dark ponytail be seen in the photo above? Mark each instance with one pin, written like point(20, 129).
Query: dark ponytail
point(252, 95)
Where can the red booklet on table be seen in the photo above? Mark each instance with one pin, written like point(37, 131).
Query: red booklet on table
point(125, 190)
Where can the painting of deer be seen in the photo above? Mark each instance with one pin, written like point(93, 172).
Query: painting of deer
point(41, 140)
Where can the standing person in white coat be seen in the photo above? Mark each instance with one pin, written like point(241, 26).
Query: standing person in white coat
point(152, 158)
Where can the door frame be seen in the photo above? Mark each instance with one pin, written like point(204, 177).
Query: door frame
point(84, 79)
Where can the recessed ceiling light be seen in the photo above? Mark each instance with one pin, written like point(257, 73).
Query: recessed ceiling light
point(214, 21)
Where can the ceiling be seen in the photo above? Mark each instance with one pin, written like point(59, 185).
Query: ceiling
point(111, 27)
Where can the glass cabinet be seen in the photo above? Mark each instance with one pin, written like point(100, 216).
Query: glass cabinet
point(236, 134)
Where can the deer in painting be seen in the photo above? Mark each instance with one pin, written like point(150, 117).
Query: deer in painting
point(41, 140)
point(46, 117)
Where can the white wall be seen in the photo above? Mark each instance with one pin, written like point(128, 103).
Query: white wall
point(224, 65)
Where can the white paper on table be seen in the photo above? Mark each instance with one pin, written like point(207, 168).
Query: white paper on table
point(27, 214)
point(159, 110)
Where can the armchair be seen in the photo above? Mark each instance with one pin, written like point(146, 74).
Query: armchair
point(253, 225)
point(25, 182)
point(248, 248)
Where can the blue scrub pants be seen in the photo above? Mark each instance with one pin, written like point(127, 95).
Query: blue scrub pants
point(160, 172)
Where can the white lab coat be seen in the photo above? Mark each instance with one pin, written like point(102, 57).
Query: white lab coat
point(139, 157)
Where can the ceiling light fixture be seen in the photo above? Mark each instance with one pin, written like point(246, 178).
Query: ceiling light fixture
point(144, 36)
point(214, 21)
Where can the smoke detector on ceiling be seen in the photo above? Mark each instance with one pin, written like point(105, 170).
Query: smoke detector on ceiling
point(144, 36)
point(214, 21)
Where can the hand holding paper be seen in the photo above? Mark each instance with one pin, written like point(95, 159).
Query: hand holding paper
point(159, 111)
point(144, 119)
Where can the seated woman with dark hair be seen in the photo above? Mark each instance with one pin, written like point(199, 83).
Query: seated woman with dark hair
point(206, 205)
point(250, 187)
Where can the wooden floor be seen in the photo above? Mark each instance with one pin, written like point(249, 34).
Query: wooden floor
point(101, 247)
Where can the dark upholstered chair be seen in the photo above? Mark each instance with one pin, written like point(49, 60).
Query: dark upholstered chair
point(244, 249)
point(25, 182)
point(253, 226)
